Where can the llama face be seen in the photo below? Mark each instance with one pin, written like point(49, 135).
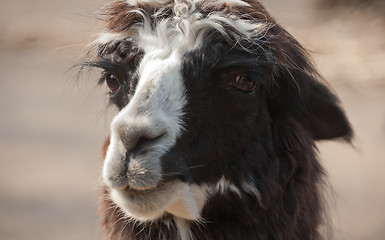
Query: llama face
point(219, 111)
point(181, 79)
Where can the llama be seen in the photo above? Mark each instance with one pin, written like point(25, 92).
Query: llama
point(219, 111)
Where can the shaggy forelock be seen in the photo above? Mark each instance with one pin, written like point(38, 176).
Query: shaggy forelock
point(185, 24)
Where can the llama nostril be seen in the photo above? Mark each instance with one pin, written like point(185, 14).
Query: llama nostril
point(128, 157)
point(145, 141)
point(142, 140)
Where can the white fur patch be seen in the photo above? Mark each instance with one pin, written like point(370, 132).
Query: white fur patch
point(189, 203)
point(184, 230)
point(148, 205)
point(182, 200)
point(223, 186)
point(155, 111)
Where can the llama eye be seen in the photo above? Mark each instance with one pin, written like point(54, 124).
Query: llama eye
point(243, 83)
point(112, 82)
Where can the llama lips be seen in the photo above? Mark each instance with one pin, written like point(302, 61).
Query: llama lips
point(132, 191)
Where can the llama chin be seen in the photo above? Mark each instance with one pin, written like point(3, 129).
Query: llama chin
point(219, 111)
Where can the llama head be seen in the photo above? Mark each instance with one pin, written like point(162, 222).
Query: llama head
point(200, 86)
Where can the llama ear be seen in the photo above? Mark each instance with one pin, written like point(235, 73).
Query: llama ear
point(313, 105)
point(324, 117)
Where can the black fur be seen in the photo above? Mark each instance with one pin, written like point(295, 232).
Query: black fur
point(265, 138)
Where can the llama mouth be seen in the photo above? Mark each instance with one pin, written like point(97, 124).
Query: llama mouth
point(174, 197)
point(133, 191)
point(145, 204)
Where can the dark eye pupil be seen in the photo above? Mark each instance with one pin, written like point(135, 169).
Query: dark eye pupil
point(243, 83)
point(112, 82)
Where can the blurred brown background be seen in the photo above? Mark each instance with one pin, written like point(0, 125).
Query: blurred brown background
point(52, 126)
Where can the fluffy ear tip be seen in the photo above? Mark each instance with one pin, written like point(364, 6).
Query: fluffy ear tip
point(348, 136)
point(344, 134)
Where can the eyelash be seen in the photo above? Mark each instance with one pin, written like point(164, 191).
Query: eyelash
point(244, 81)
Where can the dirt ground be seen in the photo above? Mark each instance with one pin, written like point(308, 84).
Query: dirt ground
point(52, 127)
